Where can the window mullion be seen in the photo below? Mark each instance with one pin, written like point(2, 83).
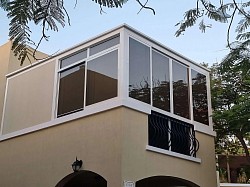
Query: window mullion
point(171, 85)
point(85, 85)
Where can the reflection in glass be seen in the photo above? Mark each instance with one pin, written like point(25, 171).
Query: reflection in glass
point(199, 92)
point(71, 90)
point(104, 45)
point(73, 58)
point(161, 86)
point(102, 75)
point(139, 71)
point(180, 90)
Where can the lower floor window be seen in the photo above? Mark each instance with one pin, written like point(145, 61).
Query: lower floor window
point(171, 134)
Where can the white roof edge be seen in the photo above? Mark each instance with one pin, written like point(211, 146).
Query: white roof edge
point(124, 25)
point(164, 46)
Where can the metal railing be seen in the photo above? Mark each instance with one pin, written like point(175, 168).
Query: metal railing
point(171, 134)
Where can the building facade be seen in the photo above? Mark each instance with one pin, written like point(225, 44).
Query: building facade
point(134, 111)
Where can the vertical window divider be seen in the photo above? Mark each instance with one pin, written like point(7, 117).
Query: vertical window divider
point(190, 95)
point(171, 85)
point(209, 102)
point(56, 90)
point(85, 84)
point(85, 79)
point(151, 76)
point(122, 65)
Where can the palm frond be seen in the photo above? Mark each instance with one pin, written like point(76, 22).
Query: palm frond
point(19, 32)
point(4, 4)
point(190, 18)
point(243, 25)
point(50, 13)
point(111, 3)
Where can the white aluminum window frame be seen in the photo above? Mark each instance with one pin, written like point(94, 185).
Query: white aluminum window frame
point(85, 61)
point(122, 98)
point(144, 107)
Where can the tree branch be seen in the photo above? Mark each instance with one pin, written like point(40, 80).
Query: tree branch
point(229, 28)
point(241, 11)
point(144, 6)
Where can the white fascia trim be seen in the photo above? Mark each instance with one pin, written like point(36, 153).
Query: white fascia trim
point(173, 154)
point(204, 129)
point(89, 110)
point(233, 185)
point(100, 107)
point(30, 67)
point(137, 105)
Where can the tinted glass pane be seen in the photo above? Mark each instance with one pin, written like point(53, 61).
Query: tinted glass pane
point(199, 91)
point(180, 90)
point(74, 58)
point(139, 71)
point(71, 90)
point(161, 89)
point(102, 75)
point(104, 45)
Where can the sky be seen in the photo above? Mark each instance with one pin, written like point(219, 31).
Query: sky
point(87, 22)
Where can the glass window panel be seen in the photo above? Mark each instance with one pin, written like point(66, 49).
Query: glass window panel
point(71, 90)
point(161, 85)
point(199, 92)
point(139, 71)
point(74, 58)
point(102, 75)
point(104, 45)
point(180, 90)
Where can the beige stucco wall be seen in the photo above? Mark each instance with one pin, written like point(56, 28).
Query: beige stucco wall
point(43, 158)
point(15, 64)
point(138, 163)
point(111, 143)
point(29, 98)
point(8, 64)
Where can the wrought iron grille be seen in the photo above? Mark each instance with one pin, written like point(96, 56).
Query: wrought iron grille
point(171, 134)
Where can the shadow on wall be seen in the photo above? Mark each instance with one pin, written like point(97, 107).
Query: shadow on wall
point(166, 181)
point(82, 178)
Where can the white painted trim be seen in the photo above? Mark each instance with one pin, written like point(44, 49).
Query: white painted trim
point(4, 105)
point(123, 80)
point(162, 47)
point(92, 109)
point(120, 66)
point(209, 102)
point(172, 115)
point(199, 127)
point(85, 84)
point(171, 85)
point(151, 75)
point(190, 93)
point(103, 52)
point(71, 65)
point(173, 154)
point(234, 185)
point(137, 105)
point(89, 110)
point(55, 90)
point(28, 68)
